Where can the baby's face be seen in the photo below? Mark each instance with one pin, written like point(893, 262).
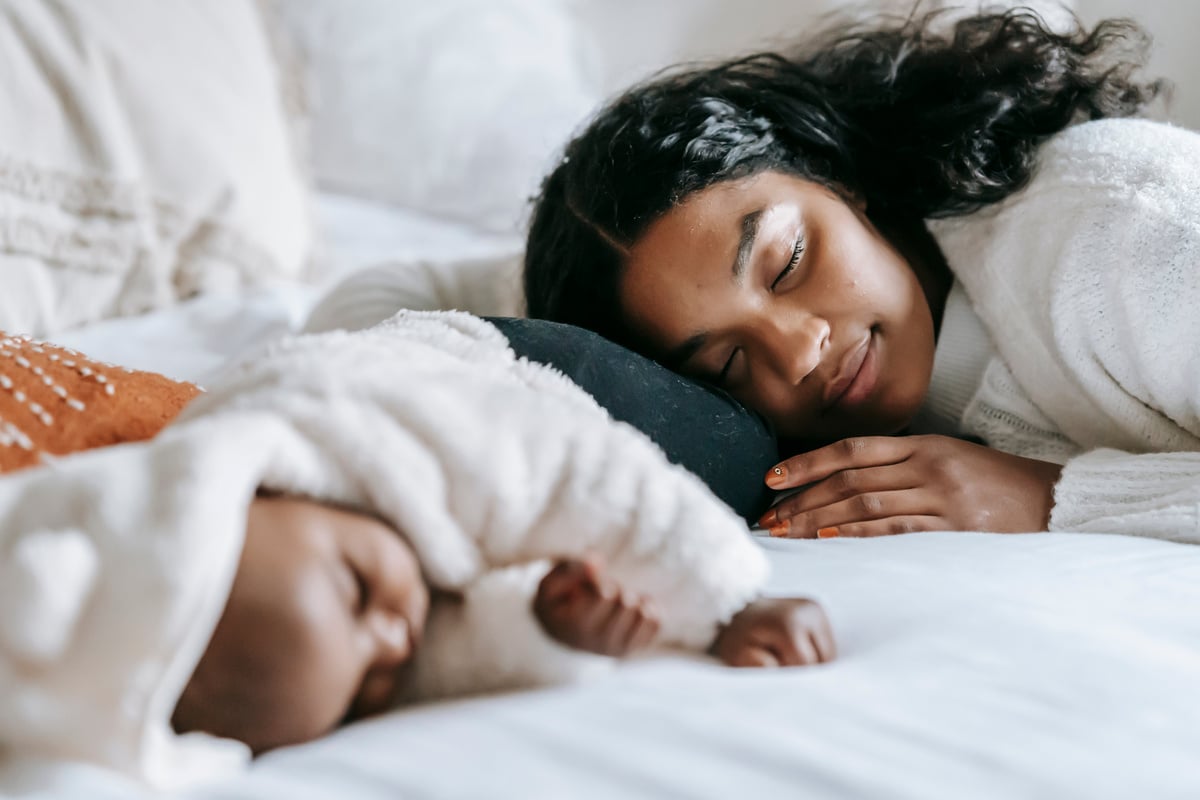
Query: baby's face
point(325, 608)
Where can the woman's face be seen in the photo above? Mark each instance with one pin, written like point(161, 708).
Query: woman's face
point(779, 291)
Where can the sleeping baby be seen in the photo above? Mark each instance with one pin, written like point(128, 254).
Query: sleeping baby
point(341, 524)
point(328, 607)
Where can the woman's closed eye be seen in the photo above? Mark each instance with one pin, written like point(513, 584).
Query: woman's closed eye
point(790, 267)
point(727, 373)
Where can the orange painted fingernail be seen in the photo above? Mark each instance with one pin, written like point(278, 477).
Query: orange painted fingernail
point(779, 530)
point(777, 475)
point(827, 533)
point(768, 519)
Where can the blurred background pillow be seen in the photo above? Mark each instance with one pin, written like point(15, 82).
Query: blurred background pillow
point(146, 155)
point(453, 108)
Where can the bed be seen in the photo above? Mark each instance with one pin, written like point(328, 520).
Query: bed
point(971, 665)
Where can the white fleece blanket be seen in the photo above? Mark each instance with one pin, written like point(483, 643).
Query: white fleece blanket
point(115, 564)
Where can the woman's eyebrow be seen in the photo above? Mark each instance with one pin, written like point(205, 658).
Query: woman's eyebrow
point(680, 355)
point(750, 224)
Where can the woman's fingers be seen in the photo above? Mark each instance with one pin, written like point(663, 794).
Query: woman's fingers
point(836, 518)
point(891, 526)
point(844, 485)
point(854, 453)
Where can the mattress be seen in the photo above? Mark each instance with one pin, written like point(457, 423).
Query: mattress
point(971, 665)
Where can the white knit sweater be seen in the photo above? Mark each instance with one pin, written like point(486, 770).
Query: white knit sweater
point(1088, 284)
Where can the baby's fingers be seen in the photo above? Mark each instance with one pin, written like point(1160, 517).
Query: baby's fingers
point(568, 581)
point(618, 628)
point(751, 656)
point(822, 641)
point(644, 629)
point(644, 633)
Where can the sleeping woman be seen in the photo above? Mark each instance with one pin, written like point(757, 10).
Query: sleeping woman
point(895, 240)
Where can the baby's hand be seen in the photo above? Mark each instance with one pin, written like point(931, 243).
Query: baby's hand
point(580, 607)
point(788, 632)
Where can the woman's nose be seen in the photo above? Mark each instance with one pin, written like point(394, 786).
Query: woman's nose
point(798, 344)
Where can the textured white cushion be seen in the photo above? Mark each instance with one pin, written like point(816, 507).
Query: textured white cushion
point(145, 155)
point(455, 108)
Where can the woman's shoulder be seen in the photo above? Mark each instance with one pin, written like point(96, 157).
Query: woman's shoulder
point(1104, 174)
point(1112, 211)
point(1124, 154)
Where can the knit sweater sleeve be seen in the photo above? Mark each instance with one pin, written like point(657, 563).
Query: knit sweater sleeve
point(1096, 318)
point(1137, 494)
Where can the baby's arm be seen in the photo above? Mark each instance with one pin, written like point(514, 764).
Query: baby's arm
point(580, 606)
point(538, 624)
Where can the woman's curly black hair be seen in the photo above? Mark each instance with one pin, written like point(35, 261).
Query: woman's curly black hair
point(919, 118)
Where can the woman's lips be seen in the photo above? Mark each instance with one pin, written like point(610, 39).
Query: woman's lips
point(856, 376)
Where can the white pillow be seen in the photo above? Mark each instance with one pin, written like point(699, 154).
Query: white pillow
point(145, 156)
point(454, 108)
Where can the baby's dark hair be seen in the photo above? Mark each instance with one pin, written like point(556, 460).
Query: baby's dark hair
point(918, 117)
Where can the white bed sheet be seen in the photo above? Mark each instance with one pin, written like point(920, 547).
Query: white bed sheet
point(972, 666)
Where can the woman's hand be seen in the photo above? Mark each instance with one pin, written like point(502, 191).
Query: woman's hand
point(788, 632)
point(880, 485)
point(581, 607)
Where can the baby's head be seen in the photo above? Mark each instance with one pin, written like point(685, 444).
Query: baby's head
point(325, 608)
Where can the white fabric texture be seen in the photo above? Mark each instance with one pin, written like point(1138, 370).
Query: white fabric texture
point(1087, 283)
point(116, 562)
point(357, 233)
point(454, 108)
point(484, 287)
point(146, 155)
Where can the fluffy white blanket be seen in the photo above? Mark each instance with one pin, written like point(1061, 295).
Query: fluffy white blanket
point(115, 564)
